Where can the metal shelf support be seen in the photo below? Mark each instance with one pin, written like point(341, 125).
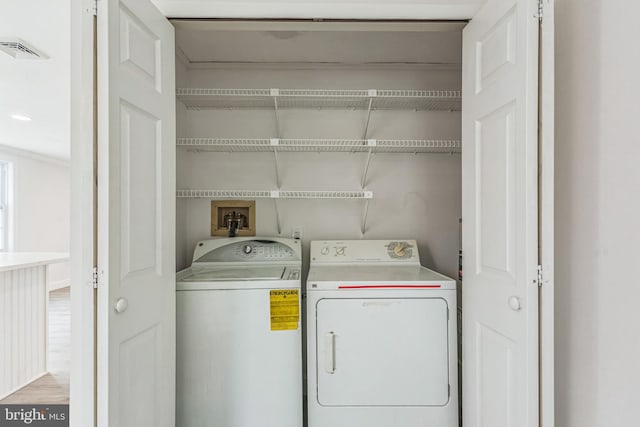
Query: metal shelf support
point(275, 206)
point(371, 143)
point(372, 94)
point(274, 94)
point(275, 142)
point(366, 211)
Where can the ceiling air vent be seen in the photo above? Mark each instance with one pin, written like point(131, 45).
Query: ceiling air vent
point(20, 49)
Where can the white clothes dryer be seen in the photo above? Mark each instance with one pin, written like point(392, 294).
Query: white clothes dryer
point(239, 361)
point(381, 338)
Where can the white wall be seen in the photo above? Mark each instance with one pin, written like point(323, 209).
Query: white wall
point(40, 208)
point(597, 213)
point(415, 196)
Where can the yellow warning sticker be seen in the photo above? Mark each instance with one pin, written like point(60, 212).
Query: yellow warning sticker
point(285, 309)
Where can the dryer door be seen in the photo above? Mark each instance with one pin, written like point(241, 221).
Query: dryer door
point(382, 352)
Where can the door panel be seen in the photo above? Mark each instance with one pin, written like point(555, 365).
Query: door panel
point(495, 366)
point(499, 208)
point(495, 196)
point(140, 141)
point(136, 215)
point(496, 51)
point(138, 360)
point(139, 49)
point(382, 352)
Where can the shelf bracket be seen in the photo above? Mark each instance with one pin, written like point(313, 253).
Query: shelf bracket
point(275, 142)
point(275, 93)
point(368, 195)
point(371, 143)
point(275, 195)
point(372, 94)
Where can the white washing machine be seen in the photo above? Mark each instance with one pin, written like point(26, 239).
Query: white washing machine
point(381, 338)
point(239, 361)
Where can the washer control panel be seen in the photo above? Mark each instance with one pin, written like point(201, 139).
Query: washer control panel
point(364, 251)
point(250, 251)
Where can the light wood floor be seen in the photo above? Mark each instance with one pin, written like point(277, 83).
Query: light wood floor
point(53, 388)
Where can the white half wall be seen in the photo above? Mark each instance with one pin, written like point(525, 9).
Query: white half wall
point(597, 213)
point(40, 208)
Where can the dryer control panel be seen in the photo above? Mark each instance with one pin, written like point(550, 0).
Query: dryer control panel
point(365, 251)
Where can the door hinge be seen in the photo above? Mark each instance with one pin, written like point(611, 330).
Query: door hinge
point(540, 10)
point(95, 277)
point(539, 280)
point(94, 8)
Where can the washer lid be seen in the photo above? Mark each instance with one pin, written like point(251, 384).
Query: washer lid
point(243, 273)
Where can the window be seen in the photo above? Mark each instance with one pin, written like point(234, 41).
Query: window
point(5, 187)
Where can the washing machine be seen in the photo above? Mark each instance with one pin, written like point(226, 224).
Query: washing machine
point(239, 361)
point(381, 337)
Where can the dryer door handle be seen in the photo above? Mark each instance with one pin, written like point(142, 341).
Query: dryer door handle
point(330, 352)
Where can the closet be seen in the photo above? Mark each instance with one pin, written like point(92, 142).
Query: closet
point(338, 130)
point(338, 133)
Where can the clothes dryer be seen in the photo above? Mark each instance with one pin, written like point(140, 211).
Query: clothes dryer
point(381, 338)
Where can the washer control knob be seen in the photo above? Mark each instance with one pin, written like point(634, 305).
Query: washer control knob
point(324, 250)
point(247, 249)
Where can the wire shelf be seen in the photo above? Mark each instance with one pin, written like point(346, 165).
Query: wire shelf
point(281, 194)
point(223, 194)
point(448, 100)
point(418, 146)
point(233, 145)
point(211, 98)
point(325, 194)
point(225, 98)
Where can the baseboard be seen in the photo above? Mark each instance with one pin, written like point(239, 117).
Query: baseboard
point(58, 284)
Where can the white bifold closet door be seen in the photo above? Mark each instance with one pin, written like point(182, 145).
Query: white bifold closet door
point(500, 215)
point(136, 216)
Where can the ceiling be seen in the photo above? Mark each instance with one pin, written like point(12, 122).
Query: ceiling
point(39, 89)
